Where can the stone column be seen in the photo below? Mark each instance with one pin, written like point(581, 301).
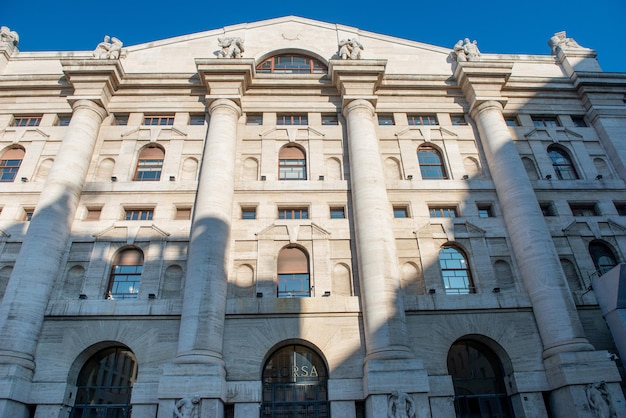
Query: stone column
point(390, 365)
point(23, 308)
point(204, 305)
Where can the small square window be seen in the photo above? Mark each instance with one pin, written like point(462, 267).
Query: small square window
point(442, 212)
point(26, 121)
point(254, 119)
point(293, 213)
point(161, 120)
point(182, 213)
point(292, 119)
point(511, 121)
point(547, 209)
point(400, 212)
point(64, 120)
point(621, 208)
point(545, 121)
point(422, 120)
point(120, 120)
point(485, 210)
point(584, 209)
point(337, 212)
point(458, 120)
point(579, 121)
point(28, 214)
point(385, 120)
point(93, 214)
point(196, 120)
point(330, 119)
point(138, 214)
point(248, 213)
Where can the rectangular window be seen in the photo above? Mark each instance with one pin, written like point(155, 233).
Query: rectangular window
point(547, 209)
point(400, 212)
point(579, 121)
point(8, 169)
point(584, 209)
point(63, 120)
point(422, 120)
point(458, 120)
point(26, 121)
point(93, 214)
point(485, 210)
point(120, 120)
point(196, 120)
point(254, 119)
point(182, 214)
point(621, 208)
point(292, 119)
point(293, 213)
point(330, 119)
point(511, 121)
point(248, 213)
point(442, 212)
point(385, 120)
point(545, 121)
point(162, 120)
point(138, 214)
point(337, 212)
point(28, 214)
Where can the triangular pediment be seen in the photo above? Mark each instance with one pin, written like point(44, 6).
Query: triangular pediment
point(293, 231)
point(131, 233)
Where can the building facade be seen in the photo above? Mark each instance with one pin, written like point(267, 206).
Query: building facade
point(292, 218)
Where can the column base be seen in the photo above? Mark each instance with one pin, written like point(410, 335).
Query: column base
point(15, 387)
point(570, 377)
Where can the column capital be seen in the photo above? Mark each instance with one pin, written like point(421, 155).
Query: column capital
point(359, 103)
point(482, 81)
point(225, 78)
point(90, 105)
point(480, 106)
point(93, 79)
point(225, 103)
point(357, 79)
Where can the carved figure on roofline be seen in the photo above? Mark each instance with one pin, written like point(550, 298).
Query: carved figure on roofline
point(8, 37)
point(232, 47)
point(187, 407)
point(109, 48)
point(599, 400)
point(400, 405)
point(350, 48)
point(560, 41)
point(464, 50)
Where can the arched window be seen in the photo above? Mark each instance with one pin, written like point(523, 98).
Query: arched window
point(293, 273)
point(478, 379)
point(126, 274)
point(291, 163)
point(431, 163)
point(562, 163)
point(603, 257)
point(295, 384)
point(10, 163)
point(457, 278)
point(291, 64)
point(150, 164)
point(105, 384)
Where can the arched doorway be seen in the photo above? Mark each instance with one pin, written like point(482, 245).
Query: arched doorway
point(295, 384)
point(105, 384)
point(478, 378)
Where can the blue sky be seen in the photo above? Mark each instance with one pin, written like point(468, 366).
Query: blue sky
point(522, 27)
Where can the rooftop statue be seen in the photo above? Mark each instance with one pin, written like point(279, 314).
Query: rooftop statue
point(110, 48)
point(560, 41)
point(464, 50)
point(232, 47)
point(8, 37)
point(350, 48)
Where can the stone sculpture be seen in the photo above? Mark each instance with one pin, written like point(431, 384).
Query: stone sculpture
point(464, 50)
point(400, 405)
point(232, 47)
point(350, 48)
point(599, 400)
point(8, 37)
point(560, 41)
point(109, 48)
point(187, 407)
